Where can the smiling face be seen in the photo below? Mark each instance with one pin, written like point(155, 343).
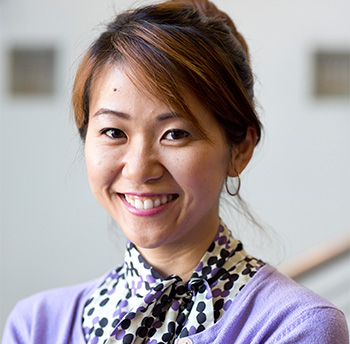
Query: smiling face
point(151, 169)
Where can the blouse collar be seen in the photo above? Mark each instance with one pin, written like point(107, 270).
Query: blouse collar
point(142, 277)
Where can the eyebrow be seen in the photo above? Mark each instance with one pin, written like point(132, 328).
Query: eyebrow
point(105, 111)
point(123, 115)
point(169, 115)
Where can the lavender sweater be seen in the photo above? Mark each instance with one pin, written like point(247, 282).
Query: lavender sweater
point(271, 308)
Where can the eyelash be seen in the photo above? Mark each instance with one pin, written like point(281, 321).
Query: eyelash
point(184, 134)
point(113, 130)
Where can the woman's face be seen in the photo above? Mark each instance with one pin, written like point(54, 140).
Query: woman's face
point(150, 169)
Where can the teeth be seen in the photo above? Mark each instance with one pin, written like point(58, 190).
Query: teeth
point(148, 203)
point(138, 204)
point(130, 201)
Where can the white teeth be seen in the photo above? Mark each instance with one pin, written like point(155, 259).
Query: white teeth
point(148, 203)
point(138, 204)
point(130, 201)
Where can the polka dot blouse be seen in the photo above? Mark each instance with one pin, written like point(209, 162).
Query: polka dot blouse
point(135, 304)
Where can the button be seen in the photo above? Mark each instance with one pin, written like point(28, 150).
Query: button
point(185, 341)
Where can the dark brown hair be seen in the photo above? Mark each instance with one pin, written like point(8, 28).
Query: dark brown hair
point(173, 48)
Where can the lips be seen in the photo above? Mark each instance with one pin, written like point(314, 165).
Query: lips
point(148, 202)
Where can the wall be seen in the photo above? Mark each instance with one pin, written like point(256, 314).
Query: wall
point(54, 233)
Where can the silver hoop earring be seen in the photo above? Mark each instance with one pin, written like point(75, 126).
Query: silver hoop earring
point(238, 186)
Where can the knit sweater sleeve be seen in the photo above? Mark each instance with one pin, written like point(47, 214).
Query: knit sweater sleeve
point(320, 325)
point(49, 317)
point(17, 329)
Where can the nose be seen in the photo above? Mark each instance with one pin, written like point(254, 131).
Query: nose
point(142, 164)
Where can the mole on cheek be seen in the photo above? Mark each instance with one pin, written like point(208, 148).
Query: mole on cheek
point(114, 90)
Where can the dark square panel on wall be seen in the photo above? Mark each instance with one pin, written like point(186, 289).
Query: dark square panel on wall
point(331, 73)
point(32, 71)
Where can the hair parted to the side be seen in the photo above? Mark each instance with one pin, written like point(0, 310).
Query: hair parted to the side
point(172, 49)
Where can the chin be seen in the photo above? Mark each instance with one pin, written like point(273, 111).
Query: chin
point(146, 239)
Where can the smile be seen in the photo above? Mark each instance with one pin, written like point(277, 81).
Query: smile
point(148, 202)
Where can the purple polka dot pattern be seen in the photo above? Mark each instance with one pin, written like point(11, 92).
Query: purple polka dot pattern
point(135, 304)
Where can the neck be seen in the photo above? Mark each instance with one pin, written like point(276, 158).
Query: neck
point(181, 259)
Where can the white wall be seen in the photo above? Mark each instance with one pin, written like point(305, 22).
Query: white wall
point(54, 233)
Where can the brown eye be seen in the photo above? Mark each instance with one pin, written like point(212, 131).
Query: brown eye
point(176, 134)
point(114, 133)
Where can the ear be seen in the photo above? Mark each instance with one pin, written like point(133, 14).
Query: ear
point(242, 153)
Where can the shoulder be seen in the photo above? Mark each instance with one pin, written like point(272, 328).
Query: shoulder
point(55, 301)
point(272, 308)
point(49, 314)
point(270, 288)
point(281, 310)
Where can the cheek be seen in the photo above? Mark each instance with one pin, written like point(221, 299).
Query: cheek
point(203, 172)
point(100, 167)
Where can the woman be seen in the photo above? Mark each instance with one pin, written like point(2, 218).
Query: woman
point(164, 103)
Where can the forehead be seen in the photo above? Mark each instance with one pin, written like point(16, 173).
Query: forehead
point(114, 86)
point(116, 79)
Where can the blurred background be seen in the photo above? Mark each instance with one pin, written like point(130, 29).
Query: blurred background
point(54, 233)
